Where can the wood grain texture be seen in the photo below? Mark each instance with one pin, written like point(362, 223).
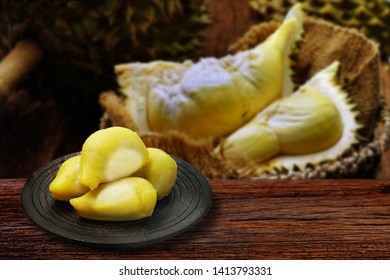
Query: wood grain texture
point(249, 219)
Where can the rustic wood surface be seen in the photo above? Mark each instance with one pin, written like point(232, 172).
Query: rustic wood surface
point(249, 219)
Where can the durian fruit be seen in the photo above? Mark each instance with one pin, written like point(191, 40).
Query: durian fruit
point(110, 154)
point(358, 91)
point(370, 17)
point(315, 124)
point(76, 43)
point(126, 199)
point(211, 97)
point(160, 171)
point(66, 184)
point(115, 178)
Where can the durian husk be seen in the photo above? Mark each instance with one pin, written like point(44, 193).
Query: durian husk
point(322, 43)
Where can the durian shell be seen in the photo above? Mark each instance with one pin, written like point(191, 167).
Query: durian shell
point(323, 43)
point(370, 17)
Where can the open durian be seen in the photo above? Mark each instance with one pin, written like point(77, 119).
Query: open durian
point(211, 97)
point(314, 124)
point(334, 67)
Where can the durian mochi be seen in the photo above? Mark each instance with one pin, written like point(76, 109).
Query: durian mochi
point(110, 154)
point(211, 97)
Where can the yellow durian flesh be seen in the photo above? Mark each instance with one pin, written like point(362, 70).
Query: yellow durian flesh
point(314, 124)
point(137, 79)
point(253, 142)
point(110, 154)
point(66, 184)
point(304, 122)
point(212, 101)
point(126, 199)
point(212, 97)
point(275, 69)
point(160, 171)
point(326, 83)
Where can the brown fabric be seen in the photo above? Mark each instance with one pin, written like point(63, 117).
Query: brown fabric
point(197, 152)
point(360, 65)
point(321, 45)
point(255, 35)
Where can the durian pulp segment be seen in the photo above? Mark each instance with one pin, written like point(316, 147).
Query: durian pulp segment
point(160, 171)
point(126, 199)
point(254, 141)
point(304, 122)
point(66, 184)
point(137, 79)
point(110, 154)
point(212, 97)
point(290, 32)
point(325, 83)
point(122, 162)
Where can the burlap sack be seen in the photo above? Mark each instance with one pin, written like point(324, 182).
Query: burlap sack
point(322, 44)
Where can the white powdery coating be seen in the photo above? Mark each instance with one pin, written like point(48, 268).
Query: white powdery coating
point(208, 72)
point(177, 89)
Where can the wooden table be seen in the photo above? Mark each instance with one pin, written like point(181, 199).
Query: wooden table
point(317, 219)
point(248, 219)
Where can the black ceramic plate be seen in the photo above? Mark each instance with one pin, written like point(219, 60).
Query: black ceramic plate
point(185, 205)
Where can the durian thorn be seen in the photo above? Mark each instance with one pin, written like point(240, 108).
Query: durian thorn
point(17, 64)
point(332, 69)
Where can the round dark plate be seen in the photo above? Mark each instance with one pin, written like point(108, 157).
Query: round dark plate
point(186, 204)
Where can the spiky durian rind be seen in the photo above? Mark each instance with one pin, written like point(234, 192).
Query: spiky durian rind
point(370, 17)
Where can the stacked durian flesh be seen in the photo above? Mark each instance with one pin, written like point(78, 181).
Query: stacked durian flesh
point(274, 109)
point(115, 177)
